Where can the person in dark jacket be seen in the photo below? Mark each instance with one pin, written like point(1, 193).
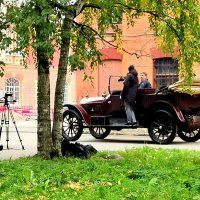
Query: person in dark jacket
point(128, 94)
point(144, 84)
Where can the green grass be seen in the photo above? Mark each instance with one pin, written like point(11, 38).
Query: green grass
point(145, 173)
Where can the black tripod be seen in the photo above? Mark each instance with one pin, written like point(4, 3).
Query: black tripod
point(6, 114)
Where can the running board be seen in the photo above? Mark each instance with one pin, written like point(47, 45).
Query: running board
point(109, 122)
point(114, 126)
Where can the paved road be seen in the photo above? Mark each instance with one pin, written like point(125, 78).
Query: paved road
point(118, 140)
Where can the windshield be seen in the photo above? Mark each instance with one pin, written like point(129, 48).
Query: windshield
point(114, 84)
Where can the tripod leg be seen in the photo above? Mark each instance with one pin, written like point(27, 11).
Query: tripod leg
point(1, 126)
point(7, 126)
point(2, 122)
point(13, 120)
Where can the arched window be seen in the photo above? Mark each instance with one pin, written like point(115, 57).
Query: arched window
point(66, 93)
point(12, 86)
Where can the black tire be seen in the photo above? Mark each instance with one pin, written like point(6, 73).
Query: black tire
point(192, 136)
point(99, 132)
point(162, 127)
point(72, 127)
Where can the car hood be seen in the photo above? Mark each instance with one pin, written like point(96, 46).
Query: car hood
point(87, 100)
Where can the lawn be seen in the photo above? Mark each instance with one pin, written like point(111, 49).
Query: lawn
point(144, 173)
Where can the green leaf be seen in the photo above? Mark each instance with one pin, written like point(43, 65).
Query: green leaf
point(153, 181)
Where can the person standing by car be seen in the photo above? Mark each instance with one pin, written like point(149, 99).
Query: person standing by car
point(144, 83)
point(128, 94)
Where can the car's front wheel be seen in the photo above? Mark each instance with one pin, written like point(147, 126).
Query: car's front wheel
point(99, 132)
point(72, 125)
point(162, 127)
point(189, 136)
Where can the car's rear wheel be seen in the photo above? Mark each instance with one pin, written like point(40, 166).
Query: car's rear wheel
point(162, 127)
point(99, 132)
point(191, 136)
point(72, 125)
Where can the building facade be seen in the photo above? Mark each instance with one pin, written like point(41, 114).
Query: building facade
point(140, 50)
point(21, 81)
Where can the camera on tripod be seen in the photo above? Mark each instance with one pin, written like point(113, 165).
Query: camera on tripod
point(6, 114)
point(5, 99)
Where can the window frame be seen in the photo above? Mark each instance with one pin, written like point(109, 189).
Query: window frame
point(166, 71)
point(12, 85)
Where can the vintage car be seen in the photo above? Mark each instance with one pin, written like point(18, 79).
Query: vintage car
point(166, 113)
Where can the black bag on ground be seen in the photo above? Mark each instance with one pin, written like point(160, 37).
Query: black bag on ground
point(76, 149)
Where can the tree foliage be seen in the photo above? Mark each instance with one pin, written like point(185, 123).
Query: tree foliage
point(175, 23)
point(44, 25)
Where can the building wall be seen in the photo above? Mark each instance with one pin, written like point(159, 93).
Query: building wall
point(140, 46)
point(137, 42)
point(27, 78)
point(141, 50)
point(99, 83)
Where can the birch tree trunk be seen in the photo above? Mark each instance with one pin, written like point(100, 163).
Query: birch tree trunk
point(60, 84)
point(44, 121)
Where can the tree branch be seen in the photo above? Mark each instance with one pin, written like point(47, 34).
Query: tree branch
point(81, 5)
point(76, 8)
point(82, 26)
point(154, 13)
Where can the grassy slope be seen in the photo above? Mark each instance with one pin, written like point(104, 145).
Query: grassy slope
point(145, 173)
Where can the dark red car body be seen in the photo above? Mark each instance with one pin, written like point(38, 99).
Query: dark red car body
point(165, 113)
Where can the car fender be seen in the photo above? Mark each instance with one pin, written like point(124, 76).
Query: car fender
point(163, 105)
point(79, 109)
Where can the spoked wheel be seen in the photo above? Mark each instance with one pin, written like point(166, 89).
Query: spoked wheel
point(99, 132)
point(162, 127)
point(192, 136)
point(72, 125)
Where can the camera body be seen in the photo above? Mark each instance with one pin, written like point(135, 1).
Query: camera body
point(6, 100)
point(121, 79)
point(8, 95)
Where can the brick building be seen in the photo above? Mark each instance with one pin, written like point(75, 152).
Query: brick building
point(161, 69)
